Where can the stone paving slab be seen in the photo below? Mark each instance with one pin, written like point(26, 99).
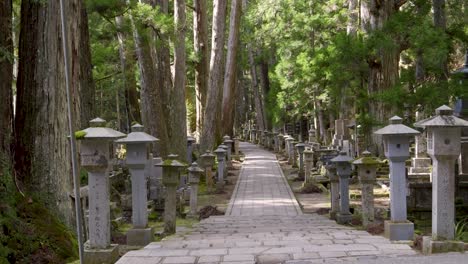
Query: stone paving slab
point(249, 233)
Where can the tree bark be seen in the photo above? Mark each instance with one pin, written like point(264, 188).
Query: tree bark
point(6, 75)
point(86, 86)
point(127, 64)
point(179, 114)
point(210, 131)
point(200, 41)
point(42, 155)
point(153, 115)
point(229, 87)
point(384, 66)
point(265, 89)
point(256, 92)
point(440, 22)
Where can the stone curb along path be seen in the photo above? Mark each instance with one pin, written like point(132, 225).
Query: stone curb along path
point(264, 224)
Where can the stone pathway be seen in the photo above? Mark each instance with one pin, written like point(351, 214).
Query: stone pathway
point(264, 224)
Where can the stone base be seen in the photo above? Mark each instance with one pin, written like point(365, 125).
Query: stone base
point(430, 246)
point(399, 230)
point(220, 186)
point(343, 218)
point(101, 256)
point(139, 236)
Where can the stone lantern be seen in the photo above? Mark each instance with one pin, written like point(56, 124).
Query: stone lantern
point(207, 162)
point(308, 164)
point(290, 149)
point(344, 170)
point(137, 158)
point(443, 146)
point(96, 156)
point(312, 137)
point(300, 150)
point(220, 156)
point(253, 135)
point(190, 143)
point(367, 171)
point(396, 138)
point(171, 179)
point(194, 180)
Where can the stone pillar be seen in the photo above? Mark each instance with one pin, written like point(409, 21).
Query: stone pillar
point(171, 177)
point(280, 143)
point(194, 180)
point(155, 184)
point(290, 149)
point(207, 163)
point(228, 142)
point(443, 133)
point(300, 151)
point(396, 145)
point(308, 165)
point(334, 189)
point(220, 156)
point(190, 143)
point(236, 147)
point(96, 158)
point(367, 170)
point(294, 153)
point(344, 170)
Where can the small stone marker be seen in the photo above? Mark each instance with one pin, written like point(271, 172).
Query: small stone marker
point(194, 180)
point(207, 162)
point(367, 170)
point(300, 150)
point(220, 156)
point(96, 159)
point(190, 143)
point(171, 179)
point(396, 145)
point(137, 158)
point(253, 135)
point(443, 146)
point(308, 165)
point(344, 170)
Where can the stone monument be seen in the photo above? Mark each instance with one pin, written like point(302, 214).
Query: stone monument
point(396, 145)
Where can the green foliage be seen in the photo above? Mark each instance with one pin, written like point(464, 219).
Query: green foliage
point(29, 233)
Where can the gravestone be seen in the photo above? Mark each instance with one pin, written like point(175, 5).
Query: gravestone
point(220, 156)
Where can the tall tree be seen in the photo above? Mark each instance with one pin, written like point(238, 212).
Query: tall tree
point(200, 42)
point(127, 64)
point(6, 75)
point(230, 83)
point(210, 131)
point(42, 155)
point(153, 111)
point(81, 48)
point(179, 111)
point(440, 22)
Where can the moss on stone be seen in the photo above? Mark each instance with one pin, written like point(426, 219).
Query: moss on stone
point(80, 134)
